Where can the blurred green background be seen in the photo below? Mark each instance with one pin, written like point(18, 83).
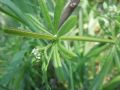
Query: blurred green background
point(96, 67)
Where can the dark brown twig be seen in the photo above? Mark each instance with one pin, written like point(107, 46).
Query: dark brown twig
point(68, 11)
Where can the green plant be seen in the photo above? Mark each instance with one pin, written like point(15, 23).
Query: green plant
point(64, 55)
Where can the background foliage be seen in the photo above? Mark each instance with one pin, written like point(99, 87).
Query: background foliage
point(81, 54)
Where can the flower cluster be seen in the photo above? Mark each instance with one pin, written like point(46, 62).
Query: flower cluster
point(36, 53)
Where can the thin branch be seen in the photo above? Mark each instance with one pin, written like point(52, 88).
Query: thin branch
point(89, 39)
point(51, 37)
point(68, 11)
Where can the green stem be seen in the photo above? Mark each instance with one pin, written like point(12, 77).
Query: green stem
point(84, 38)
point(50, 37)
point(29, 34)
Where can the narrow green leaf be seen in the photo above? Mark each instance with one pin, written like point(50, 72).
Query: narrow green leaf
point(13, 7)
point(9, 13)
point(45, 62)
point(57, 13)
point(66, 51)
point(68, 25)
point(57, 64)
point(39, 25)
point(50, 4)
point(28, 34)
point(47, 57)
point(18, 13)
point(45, 14)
